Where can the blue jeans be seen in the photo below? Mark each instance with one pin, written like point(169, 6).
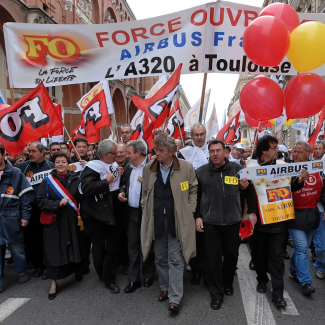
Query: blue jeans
point(19, 258)
point(299, 263)
point(319, 243)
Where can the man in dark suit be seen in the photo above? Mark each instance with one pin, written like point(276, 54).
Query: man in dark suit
point(130, 191)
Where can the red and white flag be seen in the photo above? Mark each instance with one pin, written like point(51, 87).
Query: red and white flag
point(78, 132)
point(175, 122)
point(95, 115)
point(230, 133)
point(318, 133)
point(30, 118)
point(59, 131)
point(157, 107)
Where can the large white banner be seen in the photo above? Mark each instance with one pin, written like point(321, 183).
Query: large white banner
point(207, 38)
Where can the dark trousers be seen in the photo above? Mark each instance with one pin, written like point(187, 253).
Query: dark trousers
point(34, 240)
point(197, 263)
point(134, 247)
point(104, 240)
point(221, 241)
point(269, 256)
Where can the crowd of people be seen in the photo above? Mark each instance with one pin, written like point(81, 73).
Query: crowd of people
point(180, 206)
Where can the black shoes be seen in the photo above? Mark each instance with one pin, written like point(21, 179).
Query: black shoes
point(52, 296)
point(294, 277)
point(38, 272)
point(229, 291)
point(261, 287)
point(44, 276)
point(279, 302)
point(132, 286)
point(147, 283)
point(113, 287)
point(195, 280)
point(78, 276)
point(216, 304)
point(252, 265)
point(308, 289)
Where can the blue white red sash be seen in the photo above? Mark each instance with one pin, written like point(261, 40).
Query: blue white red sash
point(62, 192)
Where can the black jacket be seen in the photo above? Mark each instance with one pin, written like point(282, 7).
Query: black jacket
point(62, 239)
point(28, 166)
point(97, 201)
point(252, 205)
point(218, 202)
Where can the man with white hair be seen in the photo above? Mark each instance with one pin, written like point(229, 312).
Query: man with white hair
point(197, 153)
point(98, 213)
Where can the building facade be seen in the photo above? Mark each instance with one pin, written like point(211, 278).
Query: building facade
point(77, 12)
point(288, 135)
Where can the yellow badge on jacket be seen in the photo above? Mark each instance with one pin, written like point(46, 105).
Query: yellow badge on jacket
point(184, 186)
point(140, 179)
point(231, 180)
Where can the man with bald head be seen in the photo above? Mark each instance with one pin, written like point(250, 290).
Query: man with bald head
point(126, 132)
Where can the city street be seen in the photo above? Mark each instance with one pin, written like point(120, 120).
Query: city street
point(90, 303)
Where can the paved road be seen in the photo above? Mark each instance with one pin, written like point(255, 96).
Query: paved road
point(90, 303)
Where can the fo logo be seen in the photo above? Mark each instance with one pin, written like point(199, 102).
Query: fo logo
point(72, 168)
point(9, 190)
point(30, 174)
point(278, 194)
point(261, 172)
point(59, 48)
point(318, 165)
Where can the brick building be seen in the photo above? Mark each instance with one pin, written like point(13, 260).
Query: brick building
point(77, 12)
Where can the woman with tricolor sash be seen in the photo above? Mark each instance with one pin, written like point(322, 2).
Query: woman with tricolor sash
point(58, 199)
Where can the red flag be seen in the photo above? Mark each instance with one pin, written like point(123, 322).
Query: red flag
point(94, 138)
point(95, 115)
point(157, 107)
point(78, 132)
point(30, 118)
point(175, 122)
point(60, 130)
point(230, 133)
point(318, 133)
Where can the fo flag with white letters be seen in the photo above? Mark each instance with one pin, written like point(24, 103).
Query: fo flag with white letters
point(157, 107)
point(78, 132)
point(30, 118)
point(95, 115)
point(175, 122)
point(230, 133)
point(318, 132)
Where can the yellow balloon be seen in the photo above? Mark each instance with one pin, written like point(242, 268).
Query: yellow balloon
point(287, 123)
point(307, 46)
point(243, 141)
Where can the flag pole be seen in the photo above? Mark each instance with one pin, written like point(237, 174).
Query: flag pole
point(202, 96)
point(72, 142)
point(255, 136)
point(12, 96)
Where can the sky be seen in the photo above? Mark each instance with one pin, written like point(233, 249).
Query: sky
point(222, 85)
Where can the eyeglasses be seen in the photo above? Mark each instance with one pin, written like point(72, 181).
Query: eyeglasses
point(112, 153)
point(200, 135)
point(120, 152)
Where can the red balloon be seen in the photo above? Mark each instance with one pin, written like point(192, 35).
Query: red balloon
point(284, 12)
point(262, 99)
point(266, 41)
point(304, 95)
point(255, 123)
